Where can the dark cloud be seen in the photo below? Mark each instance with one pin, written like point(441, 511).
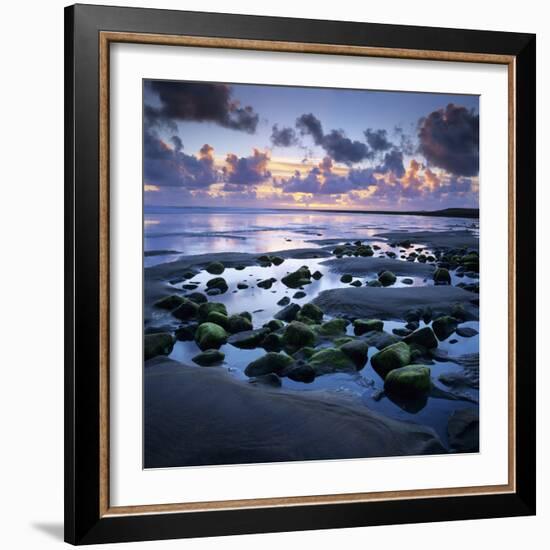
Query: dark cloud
point(199, 102)
point(164, 166)
point(284, 137)
point(335, 143)
point(392, 162)
point(449, 139)
point(247, 170)
point(377, 139)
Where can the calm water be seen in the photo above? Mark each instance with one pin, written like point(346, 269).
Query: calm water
point(186, 231)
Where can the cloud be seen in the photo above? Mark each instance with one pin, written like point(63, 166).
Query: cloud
point(392, 162)
point(247, 170)
point(166, 166)
point(309, 124)
point(199, 102)
point(449, 139)
point(377, 139)
point(284, 137)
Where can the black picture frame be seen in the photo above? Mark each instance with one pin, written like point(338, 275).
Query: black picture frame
point(84, 523)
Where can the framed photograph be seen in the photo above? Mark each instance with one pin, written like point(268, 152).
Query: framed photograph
point(300, 287)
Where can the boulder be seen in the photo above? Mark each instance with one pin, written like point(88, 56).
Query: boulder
point(242, 286)
point(298, 335)
point(248, 339)
point(197, 297)
point(442, 276)
point(316, 275)
point(274, 325)
point(186, 310)
point(208, 307)
point(169, 302)
point(301, 373)
point(407, 281)
point(215, 268)
point(186, 332)
point(272, 342)
point(409, 381)
point(267, 283)
point(346, 278)
point(209, 357)
point(362, 326)
point(392, 357)
point(218, 318)
point(288, 313)
point(297, 278)
point(329, 360)
point(299, 294)
point(357, 351)
point(269, 363)
point(334, 327)
point(246, 315)
point(444, 326)
point(423, 337)
point(270, 379)
point(312, 312)
point(210, 336)
point(217, 283)
point(374, 282)
point(401, 331)
point(387, 278)
point(238, 323)
point(356, 283)
point(284, 301)
point(277, 260)
point(160, 343)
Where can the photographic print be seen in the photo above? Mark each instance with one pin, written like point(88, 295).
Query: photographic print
point(311, 273)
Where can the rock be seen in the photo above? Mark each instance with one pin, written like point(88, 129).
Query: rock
point(189, 286)
point(214, 292)
point(442, 276)
point(299, 294)
point(392, 357)
point(274, 325)
point(329, 360)
point(297, 278)
point(265, 259)
point(346, 278)
point(374, 283)
point(270, 379)
point(356, 283)
point(169, 302)
point(298, 335)
point(272, 342)
point(246, 315)
point(387, 278)
point(379, 340)
point(334, 327)
point(357, 351)
point(362, 326)
point(311, 311)
point(284, 301)
point(209, 357)
point(269, 363)
point(277, 260)
point(210, 336)
point(453, 341)
point(301, 373)
point(444, 326)
point(238, 323)
point(401, 331)
point(248, 339)
point(466, 332)
point(215, 268)
point(187, 310)
point(207, 308)
point(218, 318)
point(217, 283)
point(423, 337)
point(316, 275)
point(463, 430)
point(185, 333)
point(160, 343)
point(407, 281)
point(266, 283)
point(409, 381)
point(288, 313)
point(240, 267)
point(197, 297)
point(242, 286)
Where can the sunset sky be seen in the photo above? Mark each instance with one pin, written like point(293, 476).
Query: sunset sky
point(211, 144)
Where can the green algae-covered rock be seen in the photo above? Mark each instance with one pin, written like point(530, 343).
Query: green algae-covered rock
point(408, 381)
point(357, 351)
point(217, 283)
point(362, 326)
point(277, 260)
point(298, 335)
point(197, 297)
point(334, 327)
point(346, 278)
point(248, 339)
point(210, 336)
point(387, 278)
point(160, 343)
point(301, 373)
point(272, 342)
point(267, 283)
point(316, 275)
point(342, 340)
point(423, 337)
point(297, 278)
point(444, 326)
point(186, 310)
point(274, 325)
point(288, 313)
point(268, 363)
point(312, 312)
point(207, 308)
point(374, 283)
point(218, 318)
point(238, 323)
point(170, 302)
point(216, 268)
point(393, 357)
point(328, 360)
point(442, 276)
point(209, 357)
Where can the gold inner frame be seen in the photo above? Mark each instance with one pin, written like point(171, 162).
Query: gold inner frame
point(105, 39)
